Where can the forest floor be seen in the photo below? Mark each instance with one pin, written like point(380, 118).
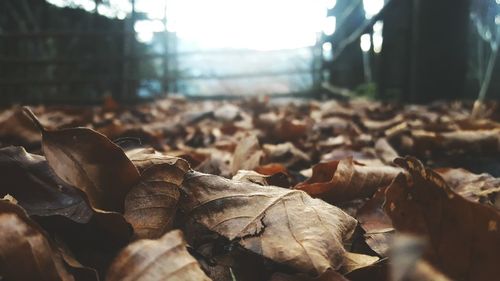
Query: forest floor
point(250, 190)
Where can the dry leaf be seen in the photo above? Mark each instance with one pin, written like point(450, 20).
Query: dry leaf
point(25, 252)
point(464, 236)
point(376, 224)
point(152, 260)
point(41, 193)
point(344, 180)
point(270, 221)
point(247, 154)
point(407, 264)
point(89, 161)
point(150, 206)
point(481, 188)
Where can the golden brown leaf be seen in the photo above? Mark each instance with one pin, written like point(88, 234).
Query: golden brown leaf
point(286, 226)
point(247, 154)
point(344, 180)
point(155, 260)
point(481, 188)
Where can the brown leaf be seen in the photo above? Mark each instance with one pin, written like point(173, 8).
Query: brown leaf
point(91, 162)
point(286, 154)
point(150, 206)
point(376, 223)
point(151, 260)
point(356, 261)
point(385, 151)
point(464, 236)
point(270, 221)
point(407, 264)
point(29, 179)
point(344, 180)
point(16, 128)
point(25, 251)
point(481, 188)
point(247, 154)
point(329, 275)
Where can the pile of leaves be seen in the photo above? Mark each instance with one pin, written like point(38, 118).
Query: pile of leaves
point(250, 190)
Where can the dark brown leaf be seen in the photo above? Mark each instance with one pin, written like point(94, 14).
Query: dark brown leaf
point(91, 162)
point(464, 236)
point(25, 251)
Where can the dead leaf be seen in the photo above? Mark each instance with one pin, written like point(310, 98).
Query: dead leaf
point(25, 251)
point(481, 188)
point(270, 221)
point(16, 128)
point(89, 161)
point(344, 180)
point(286, 154)
point(247, 154)
point(376, 223)
point(41, 193)
point(407, 264)
point(356, 261)
point(329, 275)
point(151, 260)
point(150, 206)
point(464, 236)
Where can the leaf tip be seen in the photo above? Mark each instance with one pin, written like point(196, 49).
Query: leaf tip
point(29, 113)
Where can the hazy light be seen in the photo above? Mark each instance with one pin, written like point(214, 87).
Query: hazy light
point(330, 4)
point(377, 37)
point(372, 7)
point(329, 25)
point(257, 24)
point(365, 42)
point(327, 51)
point(87, 5)
point(145, 29)
point(497, 18)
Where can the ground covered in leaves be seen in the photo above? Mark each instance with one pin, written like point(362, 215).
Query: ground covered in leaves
point(250, 190)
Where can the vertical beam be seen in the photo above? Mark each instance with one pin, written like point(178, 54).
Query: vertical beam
point(395, 63)
point(439, 49)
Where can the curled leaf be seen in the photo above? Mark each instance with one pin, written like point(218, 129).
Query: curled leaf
point(464, 236)
point(344, 180)
point(89, 161)
point(24, 243)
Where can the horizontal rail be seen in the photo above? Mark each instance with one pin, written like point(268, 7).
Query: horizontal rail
point(173, 78)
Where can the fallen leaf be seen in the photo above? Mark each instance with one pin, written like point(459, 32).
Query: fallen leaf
point(25, 251)
point(407, 264)
point(270, 221)
point(247, 154)
point(29, 179)
point(151, 260)
point(344, 180)
point(481, 188)
point(16, 128)
point(376, 223)
point(88, 160)
point(464, 236)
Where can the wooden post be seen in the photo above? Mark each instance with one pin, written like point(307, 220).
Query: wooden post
point(439, 49)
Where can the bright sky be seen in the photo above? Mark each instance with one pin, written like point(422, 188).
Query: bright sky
point(251, 24)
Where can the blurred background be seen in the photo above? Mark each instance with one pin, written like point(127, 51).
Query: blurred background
point(80, 51)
